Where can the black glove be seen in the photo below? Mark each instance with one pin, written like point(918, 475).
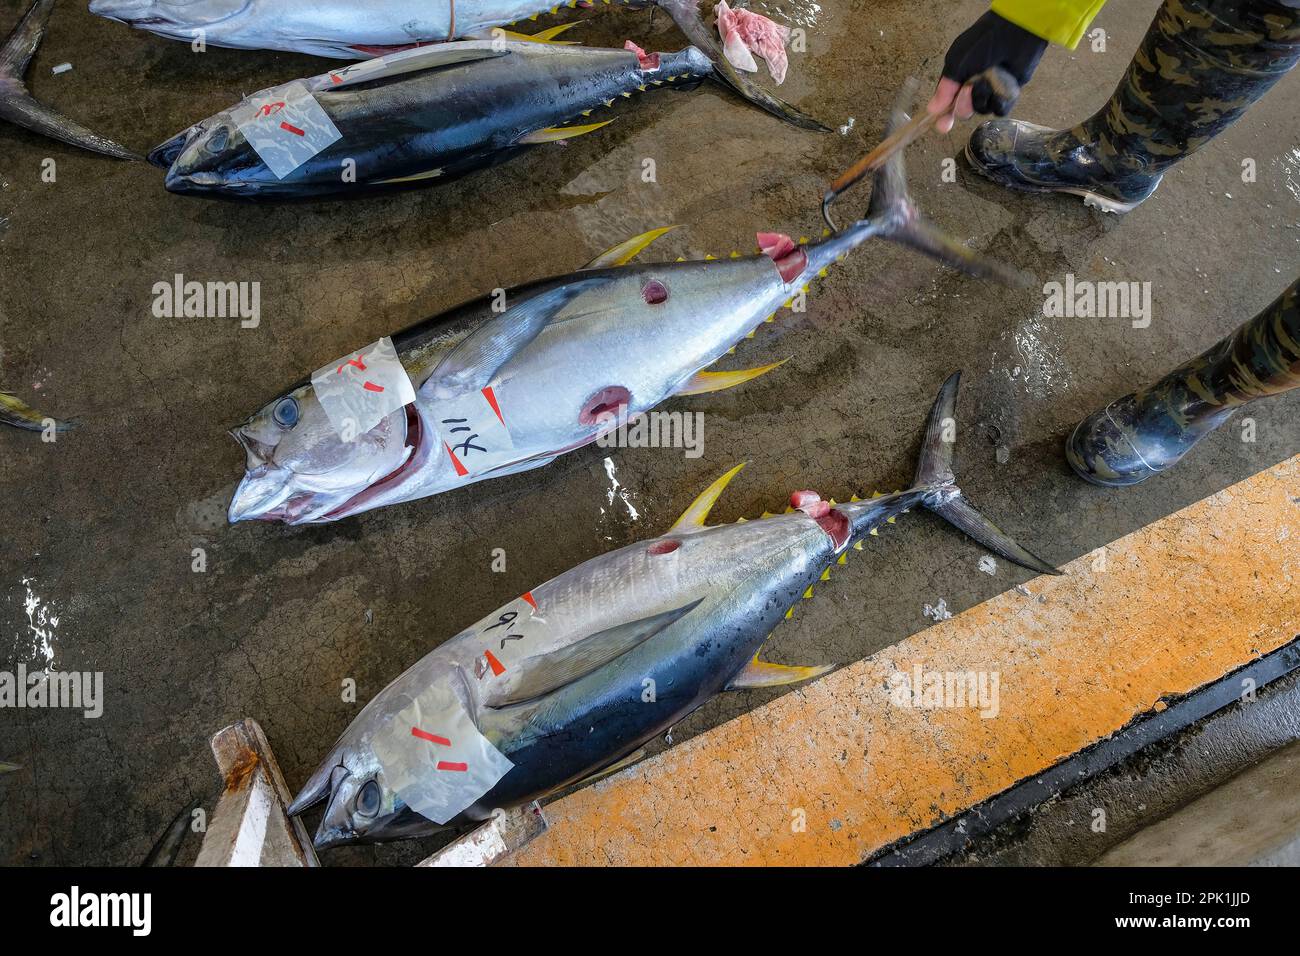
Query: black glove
point(992, 41)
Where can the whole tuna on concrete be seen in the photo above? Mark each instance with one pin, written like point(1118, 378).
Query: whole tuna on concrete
point(416, 118)
point(568, 360)
point(573, 676)
point(346, 29)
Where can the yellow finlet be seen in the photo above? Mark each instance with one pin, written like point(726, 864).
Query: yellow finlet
point(857, 545)
point(826, 575)
point(808, 594)
point(843, 559)
point(693, 516)
point(625, 251)
point(876, 532)
point(555, 133)
point(764, 674)
point(790, 613)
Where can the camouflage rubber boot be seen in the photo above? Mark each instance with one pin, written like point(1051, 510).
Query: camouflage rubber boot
point(1148, 431)
point(1201, 65)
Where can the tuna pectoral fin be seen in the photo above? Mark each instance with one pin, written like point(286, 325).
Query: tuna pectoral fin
point(418, 60)
point(535, 676)
point(555, 133)
point(542, 36)
point(698, 510)
point(615, 767)
point(763, 674)
point(686, 14)
point(934, 476)
point(472, 363)
point(625, 251)
point(702, 382)
point(17, 105)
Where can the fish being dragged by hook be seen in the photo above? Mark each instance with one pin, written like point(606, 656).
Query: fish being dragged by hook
point(574, 676)
point(18, 106)
point(479, 393)
point(345, 29)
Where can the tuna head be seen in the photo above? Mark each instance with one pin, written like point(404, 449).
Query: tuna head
point(212, 157)
point(301, 470)
point(359, 806)
point(178, 19)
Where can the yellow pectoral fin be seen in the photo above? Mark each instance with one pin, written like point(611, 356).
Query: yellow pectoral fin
point(623, 253)
point(693, 516)
point(431, 174)
point(556, 133)
point(702, 382)
point(763, 674)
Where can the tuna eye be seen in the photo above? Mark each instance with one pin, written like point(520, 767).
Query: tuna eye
point(286, 413)
point(218, 140)
point(368, 799)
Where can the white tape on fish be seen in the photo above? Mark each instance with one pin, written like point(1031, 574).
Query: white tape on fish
point(474, 432)
point(360, 390)
point(286, 126)
point(434, 757)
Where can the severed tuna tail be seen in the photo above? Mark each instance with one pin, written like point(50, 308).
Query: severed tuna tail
point(938, 485)
point(686, 14)
point(16, 103)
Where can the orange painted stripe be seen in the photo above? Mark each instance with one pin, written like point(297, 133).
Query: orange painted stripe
point(836, 770)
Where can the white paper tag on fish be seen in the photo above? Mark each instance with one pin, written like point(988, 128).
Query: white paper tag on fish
point(286, 126)
point(362, 389)
point(474, 433)
point(434, 757)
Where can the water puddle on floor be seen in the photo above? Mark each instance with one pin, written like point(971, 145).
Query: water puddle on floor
point(1031, 358)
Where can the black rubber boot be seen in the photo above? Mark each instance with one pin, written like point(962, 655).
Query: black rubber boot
point(1200, 66)
point(1148, 431)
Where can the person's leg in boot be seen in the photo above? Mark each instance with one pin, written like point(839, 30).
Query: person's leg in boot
point(1201, 65)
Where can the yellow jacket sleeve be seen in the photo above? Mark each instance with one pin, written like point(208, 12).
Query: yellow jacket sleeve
point(1062, 22)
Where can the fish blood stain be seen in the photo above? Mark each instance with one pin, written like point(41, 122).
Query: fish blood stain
point(663, 547)
point(654, 292)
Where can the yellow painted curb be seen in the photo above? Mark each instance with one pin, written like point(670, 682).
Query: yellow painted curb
point(831, 773)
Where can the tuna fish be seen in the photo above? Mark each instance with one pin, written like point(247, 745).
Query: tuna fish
point(568, 360)
point(416, 118)
point(576, 674)
point(345, 29)
point(17, 104)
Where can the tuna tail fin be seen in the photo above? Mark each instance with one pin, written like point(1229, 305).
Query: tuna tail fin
point(893, 215)
point(686, 14)
point(19, 107)
point(939, 492)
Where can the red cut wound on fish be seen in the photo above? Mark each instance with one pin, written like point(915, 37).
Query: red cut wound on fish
point(810, 503)
point(790, 259)
point(648, 61)
point(832, 522)
point(610, 402)
point(663, 547)
point(654, 292)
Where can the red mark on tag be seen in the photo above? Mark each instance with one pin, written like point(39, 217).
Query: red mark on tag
point(497, 667)
point(492, 400)
point(432, 738)
point(372, 387)
point(448, 765)
point(528, 596)
point(354, 362)
point(461, 470)
point(292, 129)
point(270, 108)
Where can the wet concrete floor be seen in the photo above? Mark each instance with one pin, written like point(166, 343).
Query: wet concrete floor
point(100, 527)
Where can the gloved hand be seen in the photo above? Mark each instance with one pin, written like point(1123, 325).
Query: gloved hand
point(990, 41)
